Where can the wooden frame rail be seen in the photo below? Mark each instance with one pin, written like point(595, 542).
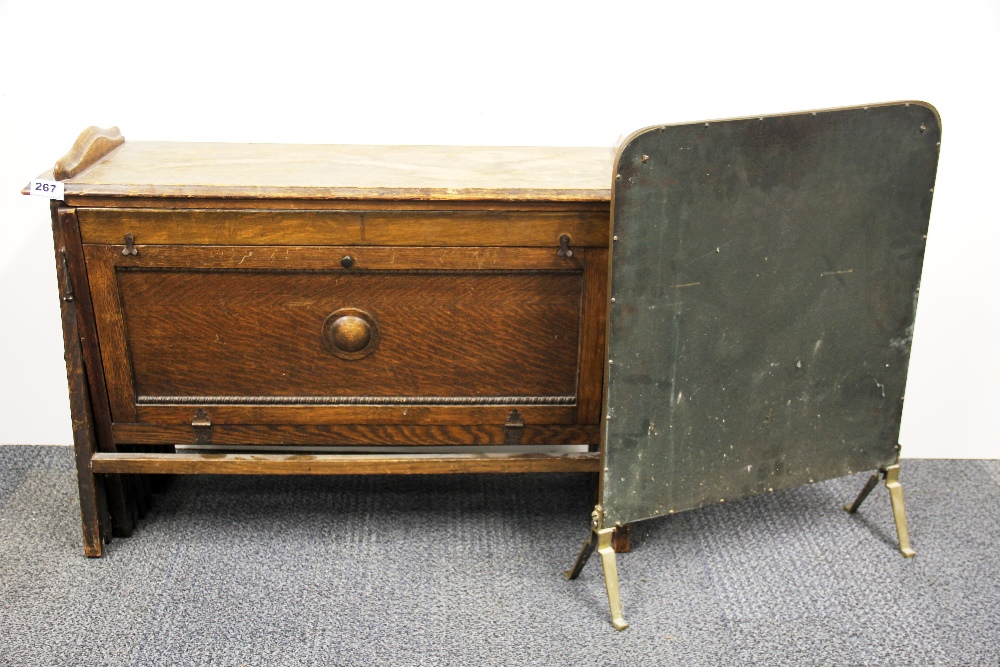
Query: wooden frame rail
point(338, 464)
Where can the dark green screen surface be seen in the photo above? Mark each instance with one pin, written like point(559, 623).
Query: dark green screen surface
point(765, 279)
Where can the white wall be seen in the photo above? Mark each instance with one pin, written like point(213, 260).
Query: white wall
point(505, 73)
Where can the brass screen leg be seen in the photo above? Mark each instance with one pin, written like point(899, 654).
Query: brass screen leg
point(581, 560)
point(891, 477)
point(898, 509)
point(869, 486)
point(603, 539)
point(607, 551)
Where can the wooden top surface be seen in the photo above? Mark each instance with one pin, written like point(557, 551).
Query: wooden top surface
point(302, 171)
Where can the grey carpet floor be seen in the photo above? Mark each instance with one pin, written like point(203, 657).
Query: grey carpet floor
point(466, 570)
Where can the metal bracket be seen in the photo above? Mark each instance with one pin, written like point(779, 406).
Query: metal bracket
point(129, 248)
point(67, 282)
point(513, 428)
point(602, 538)
point(891, 477)
point(564, 250)
point(202, 426)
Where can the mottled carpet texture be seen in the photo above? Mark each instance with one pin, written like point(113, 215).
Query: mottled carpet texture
point(466, 570)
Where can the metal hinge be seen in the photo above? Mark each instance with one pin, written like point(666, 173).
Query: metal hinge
point(564, 250)
point(129, 248)
point(202, 426)
point(67, 282)
point(513, 428)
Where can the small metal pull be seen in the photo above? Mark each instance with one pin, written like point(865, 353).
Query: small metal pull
point(564, 250)
point(67, 283)
point(347, 261)
point(129, 248)
point(202, 426)
point(513, 428)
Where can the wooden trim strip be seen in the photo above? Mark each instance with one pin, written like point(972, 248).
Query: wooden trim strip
point(404, 435)
point(592, 337)
point(347, 193)
point(288, 204)
point(111, 329)
point(356, 400)
point(328, 258)
point(354, 414)
point(338, 464)
point(377, 228)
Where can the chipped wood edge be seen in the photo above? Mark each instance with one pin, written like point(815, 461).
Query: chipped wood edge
point(93, 144)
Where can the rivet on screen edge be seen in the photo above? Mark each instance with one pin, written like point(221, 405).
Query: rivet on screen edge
point(618, 177)
point(614, 238)
point(645, 158)
point(612, 299)
point(706, 124)
point(923, 128)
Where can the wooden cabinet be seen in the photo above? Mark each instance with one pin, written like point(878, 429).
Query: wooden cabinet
point(267, 295)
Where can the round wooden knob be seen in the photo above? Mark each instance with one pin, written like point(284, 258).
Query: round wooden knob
point(350, 333)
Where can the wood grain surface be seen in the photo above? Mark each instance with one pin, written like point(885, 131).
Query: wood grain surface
point(363, 258)
point(593, 323)
point(262, 171)
point(355, 414)
point(258, 333)
point(338, 464)
point(92, 502)
point(395, 228)
point(100, 411)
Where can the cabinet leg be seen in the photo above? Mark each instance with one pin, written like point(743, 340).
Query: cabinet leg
point(90, 514)
point(118, 507)
point(84, 438)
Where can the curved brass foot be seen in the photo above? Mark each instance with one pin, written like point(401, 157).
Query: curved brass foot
point(898, 510)
point(606, 549)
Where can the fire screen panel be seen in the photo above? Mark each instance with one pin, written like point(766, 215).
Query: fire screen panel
point(765, 274)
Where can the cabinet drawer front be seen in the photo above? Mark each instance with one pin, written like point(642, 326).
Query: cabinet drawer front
point(348, 227)
point(186, 334)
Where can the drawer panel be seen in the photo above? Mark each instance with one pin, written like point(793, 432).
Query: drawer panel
point(175, 334)
point(260, 333)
